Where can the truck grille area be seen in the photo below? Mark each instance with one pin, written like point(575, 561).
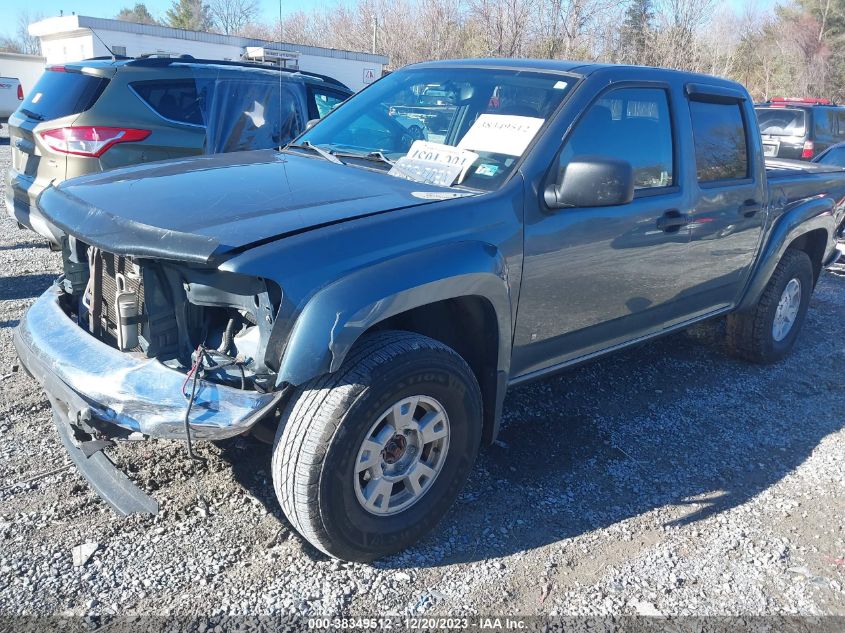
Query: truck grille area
point(112, 265)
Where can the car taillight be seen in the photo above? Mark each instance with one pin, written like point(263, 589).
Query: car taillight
point(91, 141)
point(20, 92)
point(807, 152)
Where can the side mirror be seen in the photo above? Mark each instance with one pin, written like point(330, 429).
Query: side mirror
point(591, 181)
point(311, 123)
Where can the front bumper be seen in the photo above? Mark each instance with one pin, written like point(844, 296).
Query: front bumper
point(89, 380)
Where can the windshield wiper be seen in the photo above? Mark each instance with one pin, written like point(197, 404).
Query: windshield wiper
point(32, 115)
point(329, 156)
point(376, 156)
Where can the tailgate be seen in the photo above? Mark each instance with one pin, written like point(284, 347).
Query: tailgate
point(8, 97)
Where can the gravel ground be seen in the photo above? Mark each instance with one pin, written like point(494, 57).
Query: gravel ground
point(669, 479)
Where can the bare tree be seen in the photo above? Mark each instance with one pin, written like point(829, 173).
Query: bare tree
point(231, 16)
point(23, 42)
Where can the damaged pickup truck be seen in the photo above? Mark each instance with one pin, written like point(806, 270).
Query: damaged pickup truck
point(365, 296)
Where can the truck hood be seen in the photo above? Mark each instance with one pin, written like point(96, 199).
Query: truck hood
point(200, 209)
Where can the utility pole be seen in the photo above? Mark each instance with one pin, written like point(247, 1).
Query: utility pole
point(375, 33)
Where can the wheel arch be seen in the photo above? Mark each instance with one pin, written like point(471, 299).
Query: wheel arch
point(457, 294)
point(808, 225)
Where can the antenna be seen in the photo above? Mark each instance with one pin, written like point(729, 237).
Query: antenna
point(281, 110)
point(111, 52)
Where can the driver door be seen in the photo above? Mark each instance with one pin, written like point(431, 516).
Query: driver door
point(595, 277)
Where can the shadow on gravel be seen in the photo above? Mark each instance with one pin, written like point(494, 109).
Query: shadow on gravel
point(675, 422)
point(24, 286)
point(9, 323)
point(625, 435)
point(22, 245)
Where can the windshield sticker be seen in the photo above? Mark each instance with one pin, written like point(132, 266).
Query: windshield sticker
point(426, 172)
point(501, 134)
point(486, 170)
point(434, 164)
point(560, 85)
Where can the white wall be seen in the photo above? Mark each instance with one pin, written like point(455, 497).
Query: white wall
point(349, 71)
point(26, 68)
point(138, 44)
point(71, 48)
point(63, 40)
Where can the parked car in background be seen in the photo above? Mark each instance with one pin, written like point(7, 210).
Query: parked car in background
point(799, 128)
point(11, 95)
point(98, 114)
point(833, 155)
point(364, 298)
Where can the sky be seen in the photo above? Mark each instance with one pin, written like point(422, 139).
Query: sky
point(108, 9)
point(269, 8)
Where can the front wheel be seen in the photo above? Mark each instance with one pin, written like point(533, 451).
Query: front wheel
point(368, 459)
point(767, 332)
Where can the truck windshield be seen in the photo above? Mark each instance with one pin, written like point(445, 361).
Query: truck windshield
point(443, 126)
point(781, 121)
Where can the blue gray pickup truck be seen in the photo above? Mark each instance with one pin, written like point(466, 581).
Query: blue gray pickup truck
point(364, 297)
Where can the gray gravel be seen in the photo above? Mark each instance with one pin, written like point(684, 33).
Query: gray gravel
point(669, 479)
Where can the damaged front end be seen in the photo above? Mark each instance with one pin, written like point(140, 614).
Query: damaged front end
point(132, 348)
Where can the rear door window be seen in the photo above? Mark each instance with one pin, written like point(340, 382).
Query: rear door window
point(173, 99)
point(721, 150)
point(324, 101)
point(60, 93)
point(824, 124)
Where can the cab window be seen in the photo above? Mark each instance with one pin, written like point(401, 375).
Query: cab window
point(632, 124)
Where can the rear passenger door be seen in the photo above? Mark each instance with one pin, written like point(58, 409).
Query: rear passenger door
point(599, 276)
point(730, 197)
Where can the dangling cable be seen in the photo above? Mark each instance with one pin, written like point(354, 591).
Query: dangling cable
point(193, 375)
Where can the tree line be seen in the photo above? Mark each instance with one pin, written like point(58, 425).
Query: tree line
point(795, 49)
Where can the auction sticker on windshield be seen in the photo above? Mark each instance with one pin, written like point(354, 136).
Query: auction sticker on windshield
point(434, 163)
point(501, 134)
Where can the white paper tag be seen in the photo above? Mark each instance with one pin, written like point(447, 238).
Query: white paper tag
point(434, 163)
point(501, 134)
point(426, 172)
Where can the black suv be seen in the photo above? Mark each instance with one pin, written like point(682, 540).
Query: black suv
point(799, 128)
point(102, 113)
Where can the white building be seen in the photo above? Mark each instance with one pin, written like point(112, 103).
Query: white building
point(26, 68)
point(75, 37)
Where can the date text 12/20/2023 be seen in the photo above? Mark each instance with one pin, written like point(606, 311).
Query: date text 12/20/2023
point(419, 623)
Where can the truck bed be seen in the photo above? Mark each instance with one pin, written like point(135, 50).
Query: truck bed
point(778, 168)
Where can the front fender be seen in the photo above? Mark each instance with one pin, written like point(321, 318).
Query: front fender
point(339, 313)
point(806, 216)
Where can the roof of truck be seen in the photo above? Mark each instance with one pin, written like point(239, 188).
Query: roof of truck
point(576, 67)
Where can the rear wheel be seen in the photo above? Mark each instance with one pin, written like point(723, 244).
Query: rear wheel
point(767, 332)
point(368, 459)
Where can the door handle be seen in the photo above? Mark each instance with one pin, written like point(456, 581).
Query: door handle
point(672, 221)
point(750, 207)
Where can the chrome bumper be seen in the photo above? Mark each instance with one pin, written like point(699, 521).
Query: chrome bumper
point(91, 379)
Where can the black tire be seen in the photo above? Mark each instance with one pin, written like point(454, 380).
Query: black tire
point(326, 421)
point(749, 333)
